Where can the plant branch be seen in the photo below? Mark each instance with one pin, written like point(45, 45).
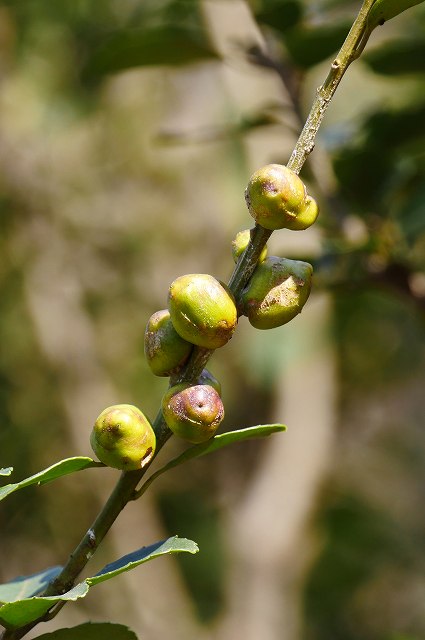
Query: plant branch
point(125, 488)
point(350, 50)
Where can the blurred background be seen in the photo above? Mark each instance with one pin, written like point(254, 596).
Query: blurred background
point(128, 131)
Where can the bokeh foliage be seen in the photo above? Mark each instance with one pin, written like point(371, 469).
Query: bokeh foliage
point(69, 89)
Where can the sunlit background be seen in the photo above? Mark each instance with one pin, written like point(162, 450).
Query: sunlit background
point(128, 131)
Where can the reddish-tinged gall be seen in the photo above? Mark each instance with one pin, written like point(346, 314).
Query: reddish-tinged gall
point(123, 438)
point(193, 412)
point(165, 350)
point(275, 197)
point(202, 310)
point(277, 292)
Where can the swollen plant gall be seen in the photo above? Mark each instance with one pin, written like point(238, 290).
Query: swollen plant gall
point(193, 412)
point(165, 350)
point(277, 292)
point(202, 310)
point(276, 197)
point(123, 438)
point(240, 243)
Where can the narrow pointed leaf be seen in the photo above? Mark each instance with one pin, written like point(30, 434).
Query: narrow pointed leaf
point(6, 471)
point(27, 586)
point(22, 612)
point(91, 631)
point(132, 560)
point(218, 442)
point(57, 470)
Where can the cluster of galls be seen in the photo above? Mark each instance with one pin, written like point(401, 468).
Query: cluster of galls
point(202, 311)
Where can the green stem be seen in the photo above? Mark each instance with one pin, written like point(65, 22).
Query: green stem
point(350, 50)
point(125, 488)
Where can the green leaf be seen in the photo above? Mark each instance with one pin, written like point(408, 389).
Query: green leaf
point(400, 57)
point(22, 612)
point(132, 560)
point(27, 586)
point(218, 442)
point(309, 46)
point(6, 471)
point(57, 470)
point(384, 10)
point(162, 45)
point(281, 15)
point(91, 631)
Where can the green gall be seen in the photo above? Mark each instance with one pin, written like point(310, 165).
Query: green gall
point(207, 377)
point(202, 310)
point(277, 292)
point(193, 412)
point(274, 196)
point(165, 350)
point(306, 216)
point(240, 243)
point(123, 438)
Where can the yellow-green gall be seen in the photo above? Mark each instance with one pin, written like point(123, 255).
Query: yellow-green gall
point(123, 438)
point(275, 197)
point(165, 350)
point(277, 292)
point(306, 216)
point(193, 412)
point(202, 310)
point(240, 243)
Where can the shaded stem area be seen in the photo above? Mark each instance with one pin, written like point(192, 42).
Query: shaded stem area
point(126, 486)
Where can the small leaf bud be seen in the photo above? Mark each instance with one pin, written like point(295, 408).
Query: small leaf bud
point(207, 377)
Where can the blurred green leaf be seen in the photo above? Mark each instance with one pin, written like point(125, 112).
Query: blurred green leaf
point(62, 468)
point(389, 130)
point(218, 442)
point(27, 586)
point(411, 215)
point(7, 471)
point(280, 14)
point(169, 45)
point(134, 559)
point(91, 631)
point(399, 57)
point(22, 612)
point(308, 46)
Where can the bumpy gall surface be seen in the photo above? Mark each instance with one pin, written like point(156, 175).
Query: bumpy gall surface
point(277, 292)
